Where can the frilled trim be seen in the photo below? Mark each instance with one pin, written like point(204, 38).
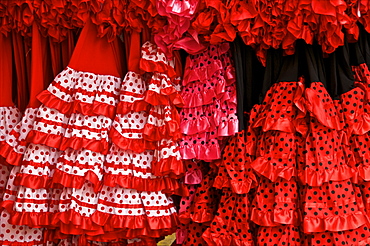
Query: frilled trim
point(32, 219)
point(155, 98)
point(11, 157)
point(127, 107)
point(193, 176)
point(135, 222)
point(317, 178)
point(88, 109)
point(226, 238)
point(334, 223)
point(164, 184)
point(73, 220)
point(170, 130)
point(275, 218)
point(281, 124)
point(266, 168)
point(363, 171)
point(202, 73)
point(228, 127)
point(316, 107)
point(75, 181)
point(12, 243)
point(202, 215)
point(193, 98)
point(222, 182)
point(52, 101)
point(50, 140)
point(136, 145)
point(201, 152)
point(170, 166)
point(33, 181)
point(242, 187)
point(194, 126)
point(76, 143)
point(150, 66)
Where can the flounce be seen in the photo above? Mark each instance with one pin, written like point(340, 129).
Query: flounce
point(82, 92)
point(111, 222)
point(321, 106)
point(165, 184)
point(280, 116)
point(335, 223)
point(136, 145)
point(272, 170)
point(74, 181)
point(201, 73)
point(318, 177)
point(10, 155)
point(203, 92)
point(275, 217)
point(127, 107)
point(154, 60)
point(71, 222)
point(199, 151)
point(194, 126)
point(171, 167)
point(32, 219)
point(33, 181)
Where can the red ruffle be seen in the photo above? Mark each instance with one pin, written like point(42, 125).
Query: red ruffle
point(136, 145)
point(11, 157)
point(164, 184)
point(170, 166)
point(199, 125)
point(275, 218)
point(202, 215)
point(33, 181)
point(96, 108)
point(317, 108)
point(264, 167)
point(8, 205)
point(159, 66)
point(202, 73)
point(50, 140)
point(75, 181)
point(32, 219)
point(317, 178)
point(200, 152)
point(52, 101)
point(170, 130)
point(335, 223)
point(71, 222)
point(113, 221)
point(76, 143)
point(242, 187)
point(11, 243)
point(137, 106)
point(154, 98)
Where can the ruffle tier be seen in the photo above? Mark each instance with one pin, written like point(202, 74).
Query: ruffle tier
point(82, 92)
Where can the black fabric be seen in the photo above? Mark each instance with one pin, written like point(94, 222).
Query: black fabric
point(339, 73)
point(249, 78)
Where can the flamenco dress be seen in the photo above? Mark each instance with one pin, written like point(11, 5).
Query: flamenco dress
point(332, 205)
point(15, 146)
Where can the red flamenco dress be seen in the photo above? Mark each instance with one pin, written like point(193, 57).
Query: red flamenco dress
point(70, 142)
point(15, 146)
point(333, 210)
point(207, 117)
point(277, 125)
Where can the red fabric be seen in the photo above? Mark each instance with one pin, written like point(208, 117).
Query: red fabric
point(106, 55)
point(6, 61)
point(74, 181)
point(11, 157)
point(137, 145)
point(171, 166)
point(164, 184)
